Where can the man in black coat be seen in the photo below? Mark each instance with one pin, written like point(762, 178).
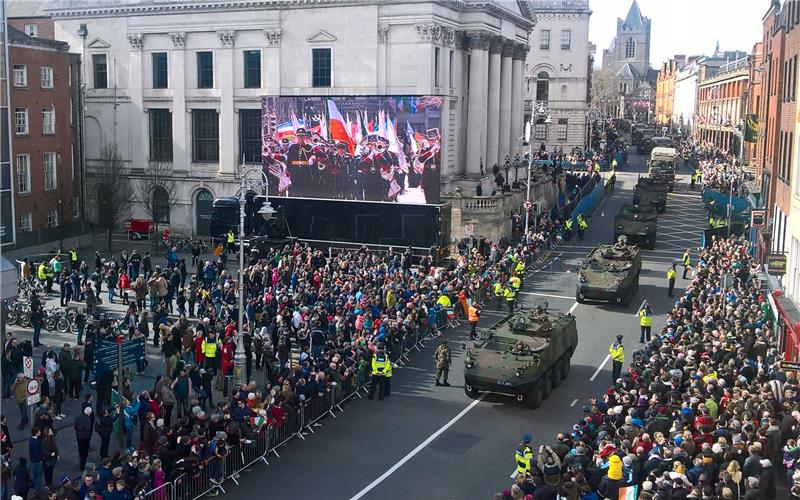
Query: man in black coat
point(83, 433)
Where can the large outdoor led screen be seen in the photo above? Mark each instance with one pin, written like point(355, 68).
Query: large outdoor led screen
point(368, 148)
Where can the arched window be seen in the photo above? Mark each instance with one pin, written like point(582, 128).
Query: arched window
point(630, 49)
point(160, 206)
point(542, 86)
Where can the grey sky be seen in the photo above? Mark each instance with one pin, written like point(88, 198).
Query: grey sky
point(683, 26)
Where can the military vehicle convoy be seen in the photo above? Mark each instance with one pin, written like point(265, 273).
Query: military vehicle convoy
point(651, 191)
point(610, 272)
point(525, 355)
point(638, 223)
point(662, 164)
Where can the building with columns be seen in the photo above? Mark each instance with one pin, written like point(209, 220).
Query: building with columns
point(558, 71)
point(181, 81)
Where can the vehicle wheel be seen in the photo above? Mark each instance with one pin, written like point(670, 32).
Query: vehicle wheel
point(136, 236)
point(25, 320)
point(50, 323)
point(470, 391)
point(555, 372)
point(534, 398)
point(11, 318)
point(579, 298)
point(547, 385)
point(565, 366)
point(62, 325)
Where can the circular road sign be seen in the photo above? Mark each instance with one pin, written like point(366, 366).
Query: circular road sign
point(33, 387)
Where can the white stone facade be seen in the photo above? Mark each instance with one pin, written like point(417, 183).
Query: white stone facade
point(378, 47)
point(560, 50)
point(684, 107)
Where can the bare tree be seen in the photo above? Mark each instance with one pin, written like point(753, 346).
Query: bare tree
point(114, 191)
point(157, 190)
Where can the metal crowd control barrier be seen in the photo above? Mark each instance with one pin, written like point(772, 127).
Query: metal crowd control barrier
point(163, 492)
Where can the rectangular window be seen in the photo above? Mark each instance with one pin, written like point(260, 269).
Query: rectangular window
point(52, 217)
point(544, 40)
point(100, 71)
point(566, 39)
point(250, 135)
point(25, 222)
point(437, 56)
point(540, 130)
point(252, 69)
point(160, 71)
point(205, 70)
point(46, 75)
point(160, 134)
point(205, 135)
point(21, 121)
point(50, 172)
point(23, 174)
point(20, 75)
point(321, 67)
point(450, 72)
point(31, 30)
point(48, 121)
point(563, 125)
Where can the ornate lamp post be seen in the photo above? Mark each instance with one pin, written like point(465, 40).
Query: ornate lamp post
point(516, 168)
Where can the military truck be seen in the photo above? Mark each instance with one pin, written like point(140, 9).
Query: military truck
point(651, 191)
point(526, 355)
point(610, 272)
point(638, 223)
point(662, 164)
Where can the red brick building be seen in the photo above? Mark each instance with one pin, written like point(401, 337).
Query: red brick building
point(781, 44)
point(43, 131)
point(33, 26)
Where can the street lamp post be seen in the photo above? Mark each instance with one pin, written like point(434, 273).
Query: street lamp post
point(266, 211)
point(528, 184)
point(507, 167)
point(516, 168)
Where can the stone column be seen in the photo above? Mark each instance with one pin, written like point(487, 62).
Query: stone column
point(228, 126)
point(382, 63)
point(476, 104)
point(505, 138)
point(137, 135)
point(272, 63)
point(493, 116)
point(519, 55)
point(181, 138)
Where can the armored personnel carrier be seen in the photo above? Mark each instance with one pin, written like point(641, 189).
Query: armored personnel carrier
point(610, 272)
point(651, 191)
point(638, 223)
point(525, 355)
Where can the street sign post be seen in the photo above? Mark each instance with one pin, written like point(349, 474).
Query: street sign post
point(27, 366)
point(469, 230)
point(33, 391)
point(757, 218)
point(109, 354)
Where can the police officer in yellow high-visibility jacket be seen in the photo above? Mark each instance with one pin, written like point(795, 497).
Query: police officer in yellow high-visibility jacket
point(209, 347)
point(511, 297)
point(672, 274)
point(523, 455)
point(498, 290)
point(617, 352)
point(519, 268)
point(687, 262)
point(41, 272)
point(516, 283)
point(381, 370)
point(230, 240)
point(645, 322)
point(568, 229)
point(582, 225)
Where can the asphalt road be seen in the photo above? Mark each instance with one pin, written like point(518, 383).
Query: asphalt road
point(428, 442)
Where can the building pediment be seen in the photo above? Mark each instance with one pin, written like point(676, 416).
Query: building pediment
point(321, 37)
point(99, 43)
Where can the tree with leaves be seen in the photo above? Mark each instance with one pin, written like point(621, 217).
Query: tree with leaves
point(157, 191)
point(114, 191)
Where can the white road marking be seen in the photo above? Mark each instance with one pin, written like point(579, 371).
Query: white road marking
point(574, 401)
point(419, 448)
point(599, 368)
point(547, 295)
point(640, 307)
point(514, 474)
point(573, 307)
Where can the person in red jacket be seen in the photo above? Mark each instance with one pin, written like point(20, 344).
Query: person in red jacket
point(124, 286)
point(199, 357)
point(228, 350)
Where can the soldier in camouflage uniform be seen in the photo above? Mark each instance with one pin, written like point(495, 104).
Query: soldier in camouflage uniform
point(443, 359)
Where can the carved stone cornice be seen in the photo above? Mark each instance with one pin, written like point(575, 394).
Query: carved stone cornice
point(496, 44)
point(436, 33)
point(448, 36)
point(273, 37)
point(226, 37)
point(479, 39)
point(383, 33)
point(178, 39)
point(521, 51)
point(136, 40)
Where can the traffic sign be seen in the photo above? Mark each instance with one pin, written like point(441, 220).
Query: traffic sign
point(757, 218)
point(27, 365)
point(527, 205)
point(469, 229)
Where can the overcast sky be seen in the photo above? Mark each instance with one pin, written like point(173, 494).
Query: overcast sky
point(683, 26)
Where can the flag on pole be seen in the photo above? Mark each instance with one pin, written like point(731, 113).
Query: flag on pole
point(284, 130)
point(323, 127)
point(381, 124)
point(628, 492)
point(337, 127)
point(295, 122)
point(411, 140)
point(358, 136)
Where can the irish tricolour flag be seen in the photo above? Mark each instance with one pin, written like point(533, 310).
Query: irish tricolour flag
point(628, 492)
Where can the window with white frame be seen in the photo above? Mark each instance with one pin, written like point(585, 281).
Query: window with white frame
point(23, 174)
point(20, 75)
point(52, 217)
point(48, 121)
point(32, 30)
point(544, 40)
point(47, 77)
point(540, 129)
point(566, 39)
point(25, 222)
point(563, 125)
point(21, 121)
point(50, 176)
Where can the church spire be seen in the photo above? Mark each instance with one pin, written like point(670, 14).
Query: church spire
point(716, 50)
point(634, 17)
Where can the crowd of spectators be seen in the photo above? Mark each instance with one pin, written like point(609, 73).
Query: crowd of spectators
point(721, 171)
point(703, 410)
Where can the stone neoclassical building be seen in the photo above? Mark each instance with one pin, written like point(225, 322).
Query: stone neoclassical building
point(182, 81)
